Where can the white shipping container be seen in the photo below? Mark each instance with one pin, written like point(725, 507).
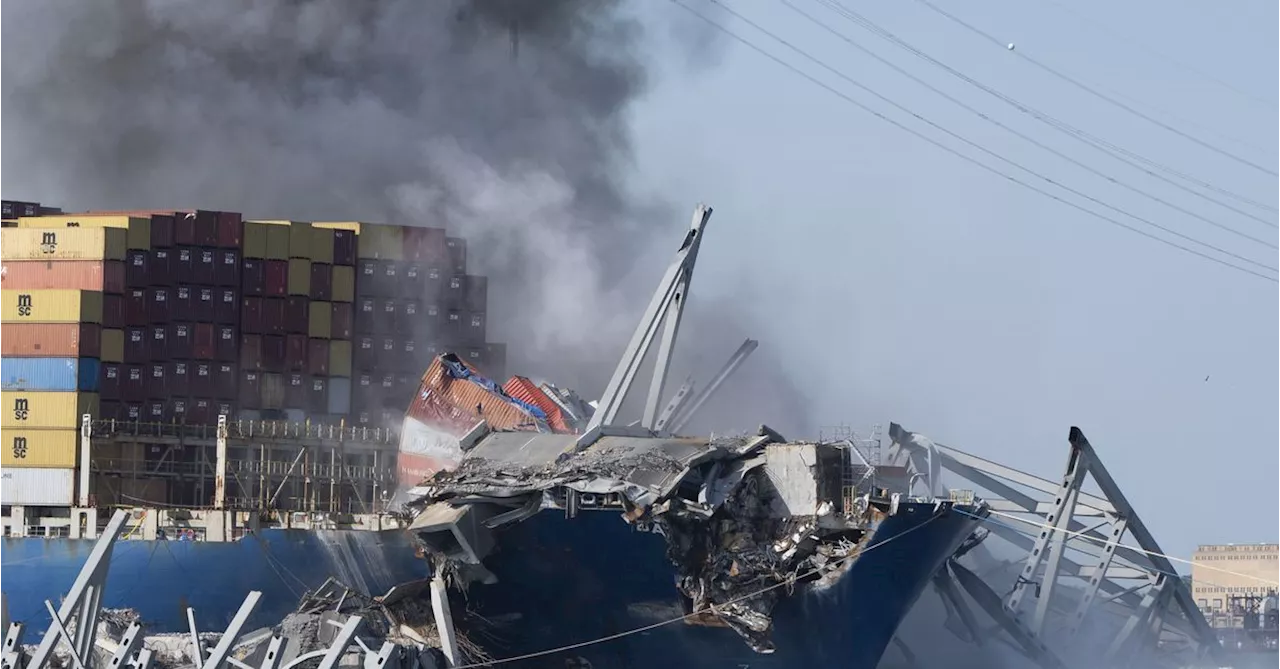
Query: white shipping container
point(37, 487)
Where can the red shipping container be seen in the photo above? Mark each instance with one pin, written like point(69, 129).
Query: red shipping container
point(273, 316)
point(225, 381)
point(202, 379)
point(227, 272)
point(205, 304)
point(153, 411)
point(51, 340)
point(135, 344)
point(230, 230)
point(318, 357)
point(184, 265)
point(276, 278)
point(135, 269)
point(161, 267)
point(180, 377)
point(182, 307)
point(161, 231)
point(206, 266)
point(295, 352)
point(159, 344)
point(367, 316)
point(318, 395)
point(250, 352)
point(204, 344)
point(158, 305)
point(135, 306)
point(251, 315)
point(295, 391)
point(181, 340)
point(133, 412)
point(321, 282)
point(227, 346)
point(273, 353)
point(344, 247)
point(340, 327)
point(436, 245)
point(297, 309)
point(110, 381)
point(184, 229)
point(250, 395)
point(133, 385)
point(157, 384)
point(252, 276)
point(113, 311)
point(206, 228)
point(226, 309)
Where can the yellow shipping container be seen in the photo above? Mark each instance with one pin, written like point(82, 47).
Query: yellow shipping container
point(138, 227)
point(320, 322)
point(344, 284)
point(63, 243)
point(321, 245)
point(43, 410)
point(339, 358)
point(299, 276)
point(255, 240)
point(31, 449)
point(50, 306)
point(384, 242)
point(112, 346)
point(338, 225)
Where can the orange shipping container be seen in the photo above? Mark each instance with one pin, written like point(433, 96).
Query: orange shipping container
point(98, 275)
point(50, 340)
point(466, 402)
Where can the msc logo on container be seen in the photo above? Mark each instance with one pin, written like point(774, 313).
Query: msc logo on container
point(49, 242)
point(20, 447)
point(24, 305)
point(21, 410)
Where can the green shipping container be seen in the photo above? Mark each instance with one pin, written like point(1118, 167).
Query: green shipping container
point(300, 240)
point(344, 284)
point(255, 240)
point(320, 322)
point(321, 245)
point(339, 358)
point(112, 349)
point(277, 242)
point(299, 276)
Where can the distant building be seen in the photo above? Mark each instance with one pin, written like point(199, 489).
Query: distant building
point(1227, 577)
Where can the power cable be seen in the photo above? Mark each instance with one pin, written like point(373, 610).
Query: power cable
point(944, 147)
point(1098, 94)
point(1024, 136)
point(1098, 143)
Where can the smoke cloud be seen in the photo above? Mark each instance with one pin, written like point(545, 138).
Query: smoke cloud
point(504, 121)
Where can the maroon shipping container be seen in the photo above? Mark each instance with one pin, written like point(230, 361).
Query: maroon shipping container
point(273, 316)
point(204, 344)
point(230, 230)
point(135, 306)
point(113, 311)
point(250, 352)
point(205, 304)
point(224, 408)
point(252, 276)
point(110, 410)
point(318, 357)
point(368, 279)
point(473, 327)
point(184, 229)
point(295, 353)
point(182, 340)
point(135, 344)
point(295, 391)
point(433, 286)
point(206, 228)
point(160, 267)
point(183, 263)
point(366, 356)
point(476, 294)
point(366, 315)
point(321, 282)
point(202, 378)
point(226, 309)
point(273, 353)
point(409, 348)
point(340, 326)
point(388, 277)
point(224, 381)
point(455, 292)
point(318, 395)
point(250, 395)
point(161, 231)
point(180, 378)
point(133, 386)
point(227, 272)
point(413, 279)
point(344, 247)
point(411, 321)
point(275, 278)
point(157, 384)
point(201, 411)
point(251, 315)
point(365, 393)
point(424, 243)
point(227, 346)
point(388, 353)
point(135, 269)
point(457, 251)
point(133, 412)
point(153, 411)
point(296, 311)
point(110, 381)
point(176, 409)
point(158, 305)
point(182, 307)
point(159, 344)
point(206, 266)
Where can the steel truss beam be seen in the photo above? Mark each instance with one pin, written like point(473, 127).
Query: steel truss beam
point(1077, 535)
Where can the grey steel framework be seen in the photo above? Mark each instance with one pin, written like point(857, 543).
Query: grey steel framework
point(1078, 569)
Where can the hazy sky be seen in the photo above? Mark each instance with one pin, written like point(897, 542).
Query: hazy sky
point(913, 287)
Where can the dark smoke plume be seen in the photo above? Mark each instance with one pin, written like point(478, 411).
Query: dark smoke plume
point(505, 121)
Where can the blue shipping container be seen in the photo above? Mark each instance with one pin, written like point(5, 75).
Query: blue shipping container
point(339, 396)
point(50, 374)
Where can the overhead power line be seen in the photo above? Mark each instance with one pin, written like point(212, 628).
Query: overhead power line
point(940, 145)
point(1094, 92)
